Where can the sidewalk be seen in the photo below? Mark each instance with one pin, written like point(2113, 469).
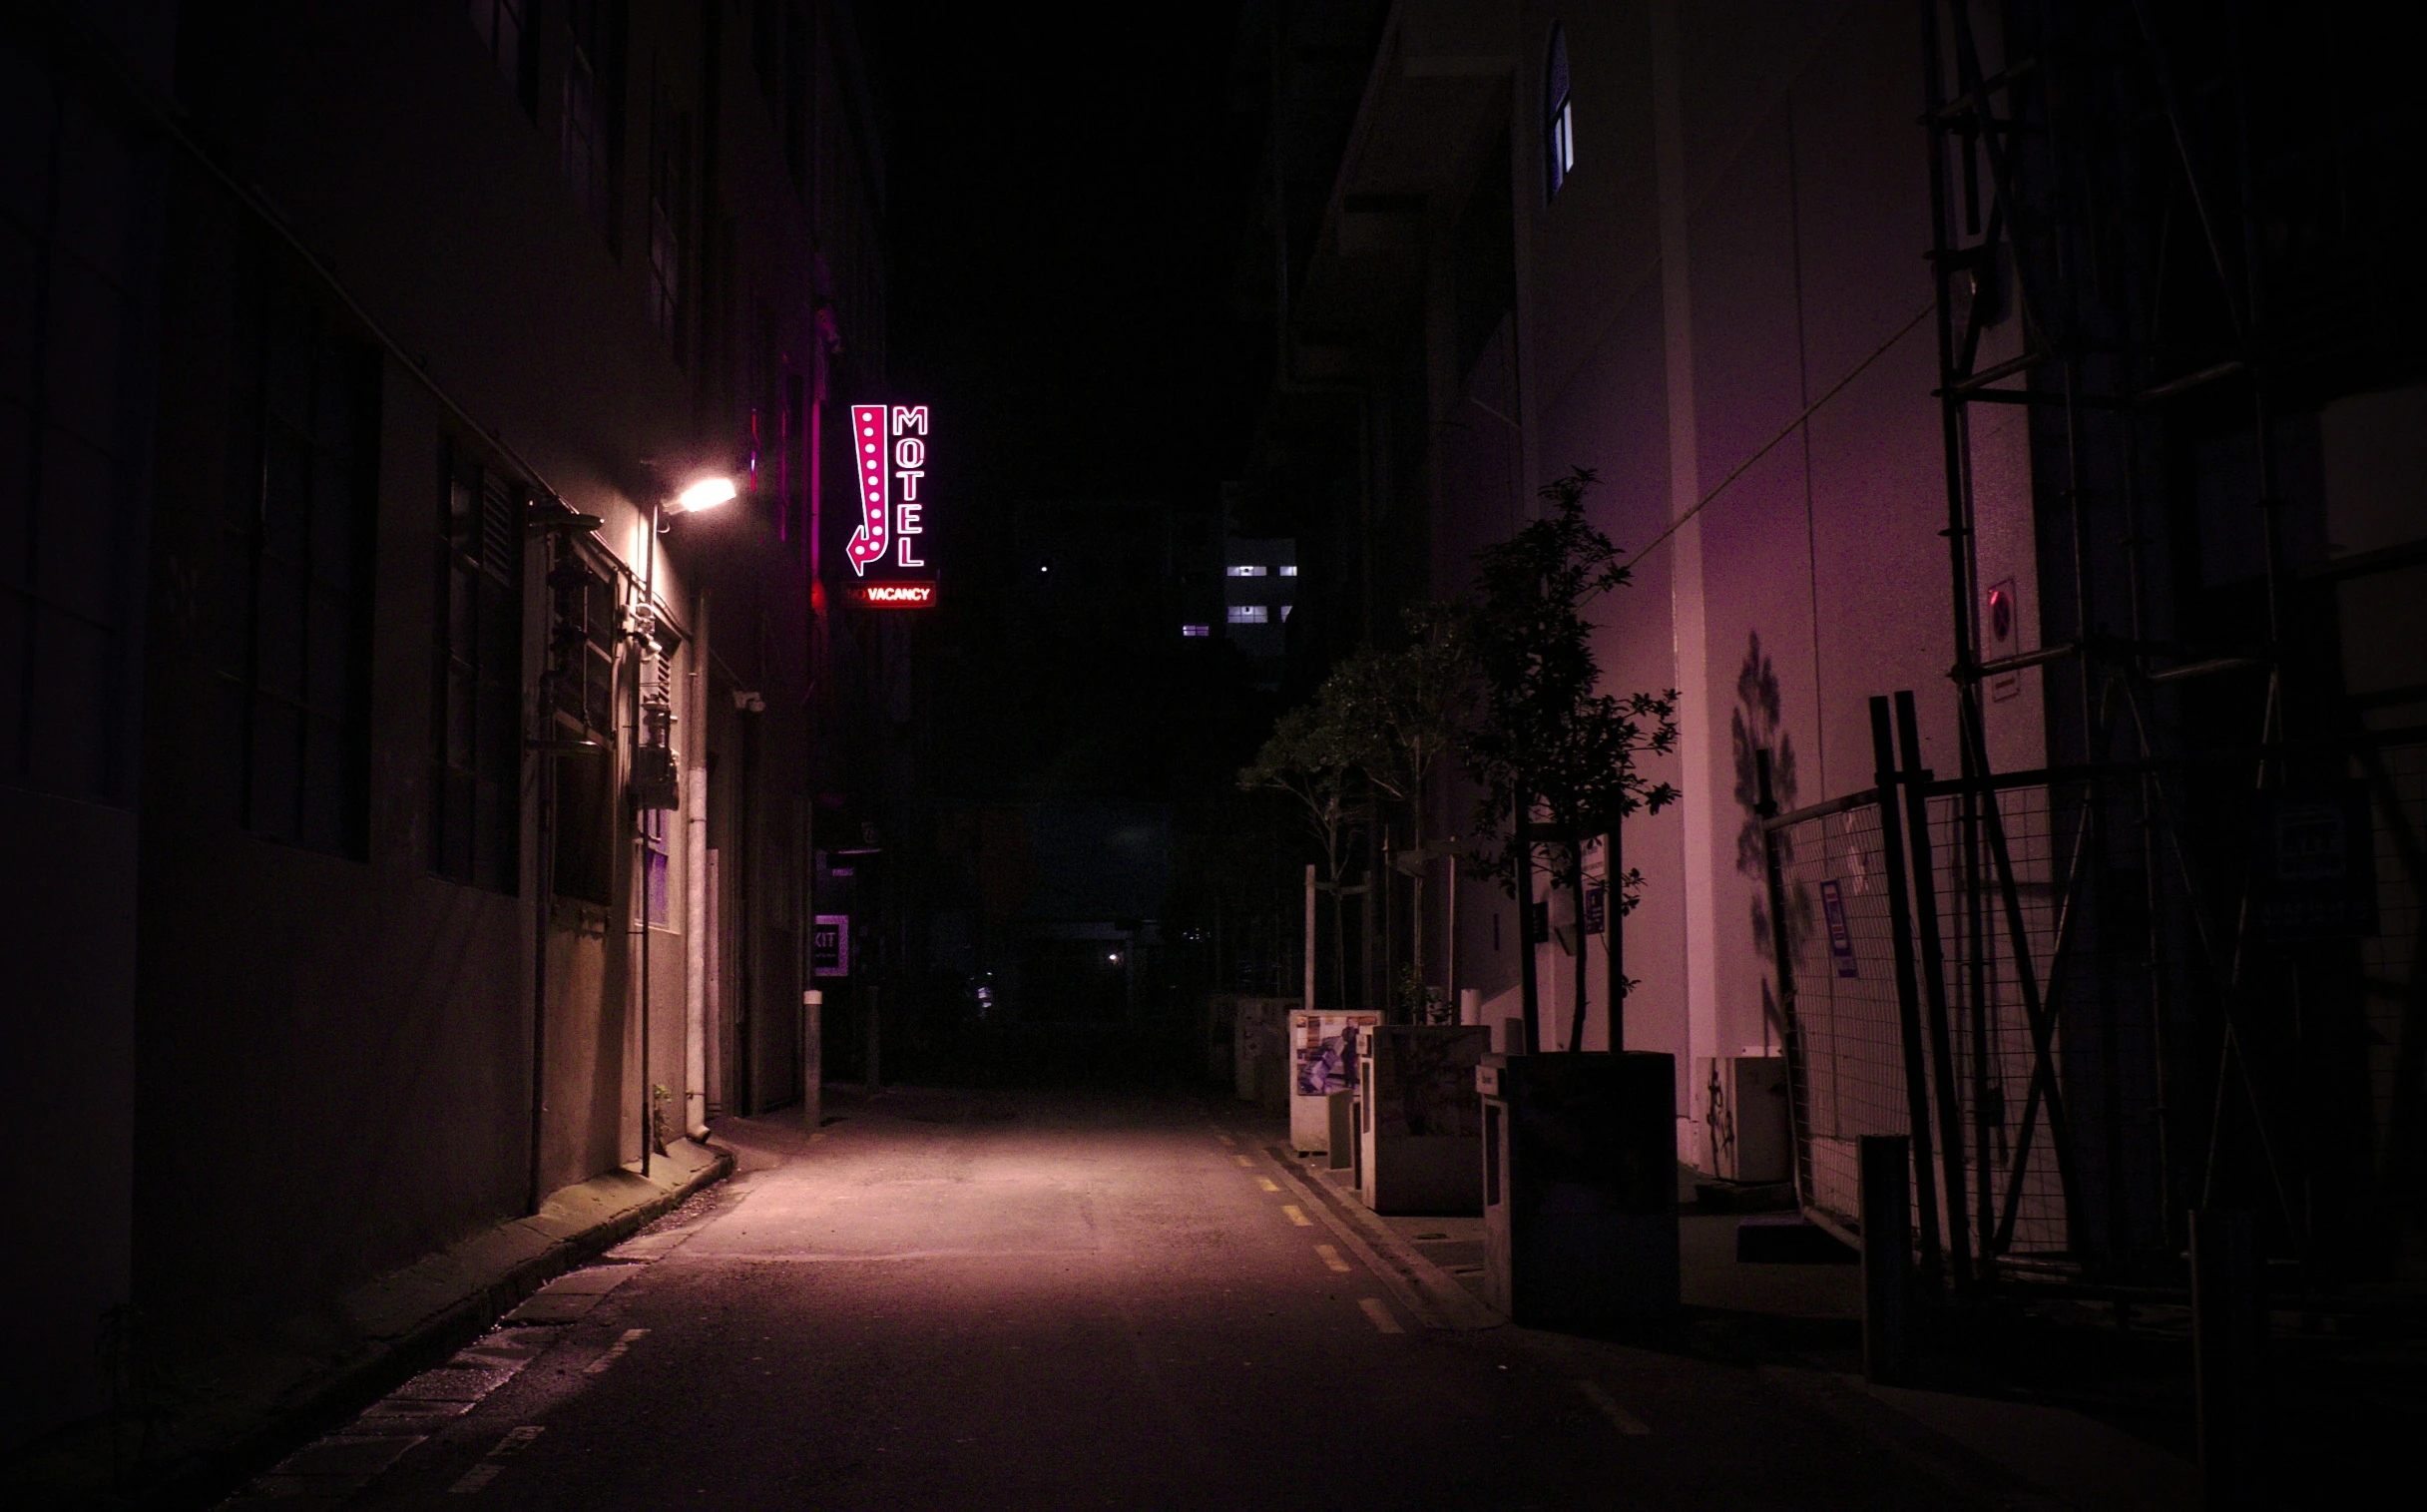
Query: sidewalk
point(1799, 1327)
point(204, 1426)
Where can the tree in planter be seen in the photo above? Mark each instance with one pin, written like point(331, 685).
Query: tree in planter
point(1404, 713)
point(1310, 757)
point(1557, 758)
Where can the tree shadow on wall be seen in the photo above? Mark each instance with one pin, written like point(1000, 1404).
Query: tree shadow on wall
point(1753, 727)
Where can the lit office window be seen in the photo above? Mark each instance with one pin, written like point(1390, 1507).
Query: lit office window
point(1245, 570)
point(1195, 632)
point(1288, 569)
point(1558, 117)
point(1248, 614)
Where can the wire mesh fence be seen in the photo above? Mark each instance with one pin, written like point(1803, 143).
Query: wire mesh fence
point(2073, 923)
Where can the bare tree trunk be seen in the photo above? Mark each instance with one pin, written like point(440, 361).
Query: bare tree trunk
point(1576, 890)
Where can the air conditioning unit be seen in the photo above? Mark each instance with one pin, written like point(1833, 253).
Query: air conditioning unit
point(1743, 1108)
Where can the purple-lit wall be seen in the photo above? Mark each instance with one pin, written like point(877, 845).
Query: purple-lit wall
point(1740, 242)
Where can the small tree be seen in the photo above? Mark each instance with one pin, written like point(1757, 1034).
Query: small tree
point(1310, 757)
point(1556, 757)
point(1404, 713)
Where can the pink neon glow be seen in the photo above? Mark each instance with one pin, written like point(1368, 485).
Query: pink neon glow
point(868, 445)
point(894, 595)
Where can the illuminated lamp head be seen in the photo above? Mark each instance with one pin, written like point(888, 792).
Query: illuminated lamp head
point(706, 493)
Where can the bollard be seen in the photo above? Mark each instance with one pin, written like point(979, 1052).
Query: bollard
point(813, 1059)
point(2229, 1343)
point(876, 1021)
point(1886, 1163)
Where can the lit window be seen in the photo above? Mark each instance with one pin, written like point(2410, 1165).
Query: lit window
point(1288, 569)
point(1285, 608)
point(1195, 632)
point(1558, 117)
point(1243, 570)
point(1248, 614)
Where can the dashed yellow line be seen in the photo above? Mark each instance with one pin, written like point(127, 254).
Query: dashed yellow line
point(1378, 1312)
point(1298, 1214)
point(1245, 1163)
point(1225, 1138)
point(1265, 1181)
point(1625, 1422)
point(1331, 1256)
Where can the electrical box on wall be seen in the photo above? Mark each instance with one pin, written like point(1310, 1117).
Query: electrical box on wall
point(653, 785)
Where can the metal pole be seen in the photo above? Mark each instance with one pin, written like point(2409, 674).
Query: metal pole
point(1308, 1004)
point(1934, 986)
point(1885, 1170)
point(2228, 1341)
point(640, 669)
point(1908, 1007)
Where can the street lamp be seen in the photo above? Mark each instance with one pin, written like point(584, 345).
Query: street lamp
point(704, 492)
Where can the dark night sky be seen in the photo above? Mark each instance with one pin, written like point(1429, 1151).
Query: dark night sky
point(1065, 209)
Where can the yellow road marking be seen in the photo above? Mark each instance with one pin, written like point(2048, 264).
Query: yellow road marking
point(1331, 1256)
point(1265, 1181)
point(1297, 1216)
point(1625, 1422)
point(1225, 1138)
point(1243, 1162)
point(1378, 1315)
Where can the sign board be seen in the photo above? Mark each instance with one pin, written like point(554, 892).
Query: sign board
point(1841, 935)
point(2316, 863)
point(1323, 1051)
point(890, 563)
point(830, 945)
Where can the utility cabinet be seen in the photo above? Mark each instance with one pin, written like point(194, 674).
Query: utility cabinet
point(1580, 1189)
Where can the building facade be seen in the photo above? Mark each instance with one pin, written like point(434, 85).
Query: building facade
point(407, 831)
point(1880, 399)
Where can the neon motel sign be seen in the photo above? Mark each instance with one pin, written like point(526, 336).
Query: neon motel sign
point(887, 556)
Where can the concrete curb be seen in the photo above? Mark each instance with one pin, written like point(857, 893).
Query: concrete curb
point(1424, 1288)
point(414, 1318)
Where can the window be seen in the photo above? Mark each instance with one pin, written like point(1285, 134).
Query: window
point(669, 195)
point(294, 644)
point(1288, 569)
point(503, 28)
point(1195, 632)
point(591, 145)
point(656, 824)
point(1240, 570)
point(476, 708)
point(1248, 614)
point(584, 621)
point(1558, 117)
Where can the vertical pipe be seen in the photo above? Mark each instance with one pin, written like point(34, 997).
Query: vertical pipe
point(1908, 1007)
point(640, 901)
point(1934, 986)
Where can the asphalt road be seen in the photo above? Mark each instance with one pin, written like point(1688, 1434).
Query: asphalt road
point(1002, 1300)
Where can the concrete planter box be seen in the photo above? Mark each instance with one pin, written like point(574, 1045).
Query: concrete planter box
point(1580, 1189)
point(1420, 1125)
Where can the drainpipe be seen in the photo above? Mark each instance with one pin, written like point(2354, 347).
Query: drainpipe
point(696, 944)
